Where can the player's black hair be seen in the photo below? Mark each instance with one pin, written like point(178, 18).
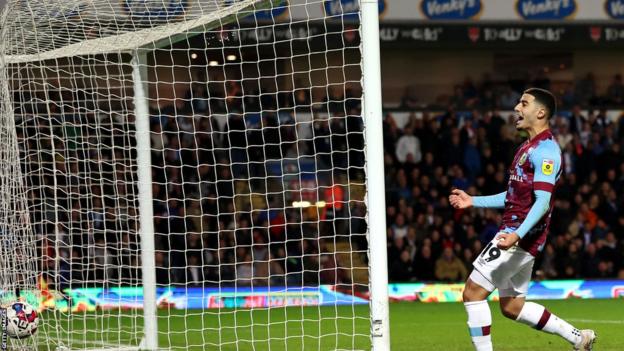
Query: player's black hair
point(546, 98)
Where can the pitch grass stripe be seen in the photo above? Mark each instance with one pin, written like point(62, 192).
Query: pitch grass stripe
point(597, 321)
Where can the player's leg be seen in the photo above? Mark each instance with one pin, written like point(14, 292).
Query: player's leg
point(538, 317)
point(475, 294)
point(493, 267)
point(514, 306)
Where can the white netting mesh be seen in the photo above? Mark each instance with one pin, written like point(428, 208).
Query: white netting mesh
point(18, 267)
point(257, 155)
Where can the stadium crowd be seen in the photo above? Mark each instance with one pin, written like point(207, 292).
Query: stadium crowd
point(503, 94)
point(227, 168)
point(427, 240)
point(227, 204)
point(472, 150)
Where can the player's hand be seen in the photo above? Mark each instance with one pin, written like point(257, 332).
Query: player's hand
point(459, 199)
point(507, 240)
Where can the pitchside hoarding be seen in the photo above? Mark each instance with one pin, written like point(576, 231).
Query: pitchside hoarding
point(544, 290)
point(91, 299)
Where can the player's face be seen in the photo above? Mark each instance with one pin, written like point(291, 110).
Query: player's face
point(528, 112)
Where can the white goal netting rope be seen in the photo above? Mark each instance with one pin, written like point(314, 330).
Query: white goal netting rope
point(257, 167)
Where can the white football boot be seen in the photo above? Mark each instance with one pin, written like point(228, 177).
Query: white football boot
point(588, 337)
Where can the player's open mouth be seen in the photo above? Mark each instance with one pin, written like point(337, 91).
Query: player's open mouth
point(518, 118)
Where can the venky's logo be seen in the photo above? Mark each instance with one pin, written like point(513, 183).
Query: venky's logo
point(546, 9)
point(451, 9)
point(348, 8)
point(150, 10)
point(278, 11)
point(615, 8)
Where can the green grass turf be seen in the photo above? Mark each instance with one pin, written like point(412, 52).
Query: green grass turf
point(443, 326)
point(414, 326)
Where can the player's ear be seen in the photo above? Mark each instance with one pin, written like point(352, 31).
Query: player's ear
point(541, 113)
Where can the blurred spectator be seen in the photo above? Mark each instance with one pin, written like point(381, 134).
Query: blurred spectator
point(571, 262)
point(399, 229)
point(567, 96)
point(508, 98)
point(449, 268)
point(547, 268)
point(471, 94)
point(458, 99)
point(425, 265)
point(585, 90)
point(615, 91)
point(408, 147)
point(244, 268)
point(577, 120)
point(410, 98)
point(401, 269)
point(472, 158)
point(162, 269)
point(591, 260)
point(541, 80)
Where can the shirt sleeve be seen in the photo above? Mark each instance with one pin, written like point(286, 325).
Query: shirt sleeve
point(546, 160)
point(492, 201)
point(537, 211)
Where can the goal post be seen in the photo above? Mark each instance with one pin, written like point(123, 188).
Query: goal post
point(372, 114)
point(181, 175)
point(146, 200)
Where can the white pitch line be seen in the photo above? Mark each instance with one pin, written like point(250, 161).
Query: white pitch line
point(597, 321)
point(106, 346)
point(118, 348)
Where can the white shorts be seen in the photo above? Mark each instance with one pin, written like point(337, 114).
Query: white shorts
point(508, 270)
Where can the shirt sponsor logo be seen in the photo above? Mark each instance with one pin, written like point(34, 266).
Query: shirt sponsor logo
point(516, 178)
point(548, 166)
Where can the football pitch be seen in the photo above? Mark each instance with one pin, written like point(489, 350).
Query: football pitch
point(414, 326)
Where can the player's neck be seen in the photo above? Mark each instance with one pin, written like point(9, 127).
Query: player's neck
point(535, 131)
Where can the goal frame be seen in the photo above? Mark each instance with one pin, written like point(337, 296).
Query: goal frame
point(375, 183)
point(375, 198)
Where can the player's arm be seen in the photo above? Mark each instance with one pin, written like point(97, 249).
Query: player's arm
point(491, 201)
point(546, 162)
point(460, 199)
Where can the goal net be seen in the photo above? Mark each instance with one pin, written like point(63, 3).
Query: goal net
point(182, 174)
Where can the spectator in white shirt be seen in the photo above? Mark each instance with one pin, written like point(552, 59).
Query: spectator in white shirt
point(400, 228)
point(408, 145)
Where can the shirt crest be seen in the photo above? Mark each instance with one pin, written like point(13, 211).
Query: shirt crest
point(522, 159)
